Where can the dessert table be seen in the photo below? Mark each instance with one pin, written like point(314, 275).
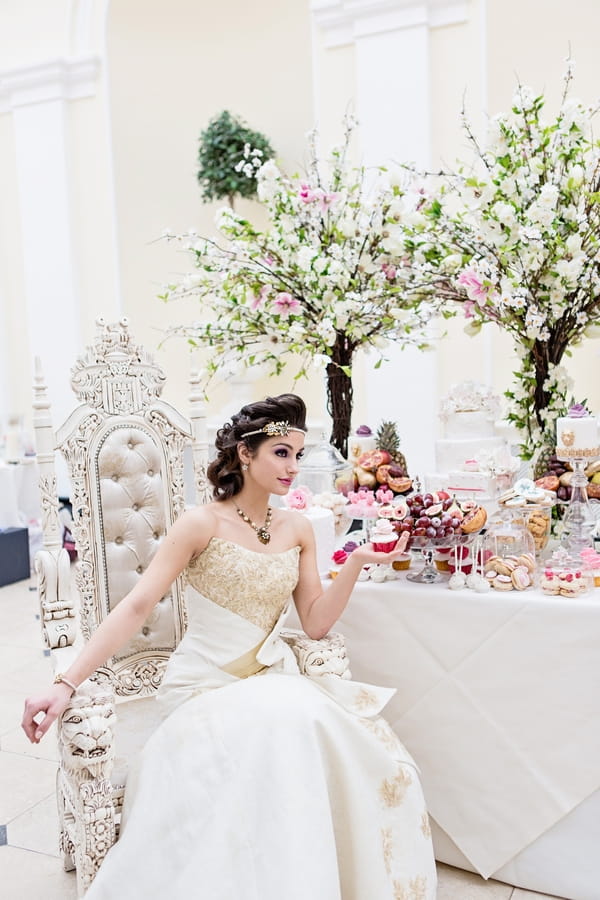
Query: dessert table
point(498, 699)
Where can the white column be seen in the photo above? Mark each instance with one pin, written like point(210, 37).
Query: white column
point(391, 42)
point(38, 98)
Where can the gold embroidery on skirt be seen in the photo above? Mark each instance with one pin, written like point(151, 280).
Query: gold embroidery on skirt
point(425, 826)
point(387, 845)
point(364, 699)
point(393, 790)
point(383, 732)
point(416, 889)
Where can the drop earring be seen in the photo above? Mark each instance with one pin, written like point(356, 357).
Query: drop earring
point(244, 467)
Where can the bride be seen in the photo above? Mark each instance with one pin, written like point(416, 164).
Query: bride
point(260, 783)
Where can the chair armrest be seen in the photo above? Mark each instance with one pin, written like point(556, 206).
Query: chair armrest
point(57, 610)
point(86, 734)
point(327, 656)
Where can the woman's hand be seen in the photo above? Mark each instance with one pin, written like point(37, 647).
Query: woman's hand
point(366, 554)
point(53, 704)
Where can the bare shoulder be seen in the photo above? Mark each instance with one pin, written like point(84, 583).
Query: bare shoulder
point(196, 526)
point(300, 527)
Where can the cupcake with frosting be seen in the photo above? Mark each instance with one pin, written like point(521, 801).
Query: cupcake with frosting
point(383, 536)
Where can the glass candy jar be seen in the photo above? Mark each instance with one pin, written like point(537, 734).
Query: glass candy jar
point(507, 553)
point(324, 470)
point(538, 521)
point(564, 575)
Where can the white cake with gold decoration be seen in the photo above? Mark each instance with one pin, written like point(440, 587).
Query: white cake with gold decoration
point(577, 435)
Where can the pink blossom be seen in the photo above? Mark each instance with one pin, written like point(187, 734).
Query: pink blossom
point(389, 271)
point(260, 297)
point(285, 304)
point(306, 193)
point(469, 306)
point(300, 498)
point(323, 198)
point(475, 288)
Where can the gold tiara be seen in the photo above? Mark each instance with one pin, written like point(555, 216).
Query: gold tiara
point(275, 429)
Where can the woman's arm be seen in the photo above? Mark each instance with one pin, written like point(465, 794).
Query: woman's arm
point(188, 536)
point(320, 609)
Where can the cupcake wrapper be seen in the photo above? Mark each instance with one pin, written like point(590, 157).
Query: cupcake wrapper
point(385, 546)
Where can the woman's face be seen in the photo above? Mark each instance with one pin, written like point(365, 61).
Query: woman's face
point(275, 464)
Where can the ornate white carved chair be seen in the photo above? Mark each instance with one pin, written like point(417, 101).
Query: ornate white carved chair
point(124, 448)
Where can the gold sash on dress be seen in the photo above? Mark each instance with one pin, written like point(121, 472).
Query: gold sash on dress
point(246, 664)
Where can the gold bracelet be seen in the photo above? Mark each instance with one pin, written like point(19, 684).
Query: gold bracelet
point(60, 679)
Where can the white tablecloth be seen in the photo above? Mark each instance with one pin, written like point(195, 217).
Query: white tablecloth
point(498, 699)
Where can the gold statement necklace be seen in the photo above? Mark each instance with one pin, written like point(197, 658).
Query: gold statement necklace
point(262, 531)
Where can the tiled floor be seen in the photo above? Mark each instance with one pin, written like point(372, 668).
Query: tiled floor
point(30, 868)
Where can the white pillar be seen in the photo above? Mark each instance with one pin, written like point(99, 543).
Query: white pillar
point(38, 97)
point(391, 42)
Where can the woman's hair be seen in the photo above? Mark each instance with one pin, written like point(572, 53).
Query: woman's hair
point(225, 472)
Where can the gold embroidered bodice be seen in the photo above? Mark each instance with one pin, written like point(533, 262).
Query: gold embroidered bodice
point(256, 586)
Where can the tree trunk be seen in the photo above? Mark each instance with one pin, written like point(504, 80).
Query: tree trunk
point(541, 362)
point(545, 354)
point(339, 392)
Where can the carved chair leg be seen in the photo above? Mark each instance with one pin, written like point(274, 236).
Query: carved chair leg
point(97, 831)
point(66, 822)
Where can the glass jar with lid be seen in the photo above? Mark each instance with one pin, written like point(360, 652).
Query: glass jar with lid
point(508, 552)
point(324, 470)
point(565, 575)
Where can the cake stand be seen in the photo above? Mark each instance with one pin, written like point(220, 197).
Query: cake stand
point(429, 574)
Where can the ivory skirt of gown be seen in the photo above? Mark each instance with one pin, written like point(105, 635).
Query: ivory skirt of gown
point(261, 783)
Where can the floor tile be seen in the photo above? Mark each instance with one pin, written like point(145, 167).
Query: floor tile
point(27, 875)
point(24, 781)
point(22, 632)
point(455, 884)
point(11, 708)
point(26, 670)
point(37, 829)
point(15, 741)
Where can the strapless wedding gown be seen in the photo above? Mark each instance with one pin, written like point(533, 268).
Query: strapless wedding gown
point(261, 783)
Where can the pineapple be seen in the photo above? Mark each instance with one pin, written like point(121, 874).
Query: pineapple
point(543, 459)
point(387, 439)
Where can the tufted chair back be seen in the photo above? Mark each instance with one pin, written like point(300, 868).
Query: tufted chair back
point(124, 448)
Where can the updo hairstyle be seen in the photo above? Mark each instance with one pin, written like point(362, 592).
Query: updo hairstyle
point(225, 472)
